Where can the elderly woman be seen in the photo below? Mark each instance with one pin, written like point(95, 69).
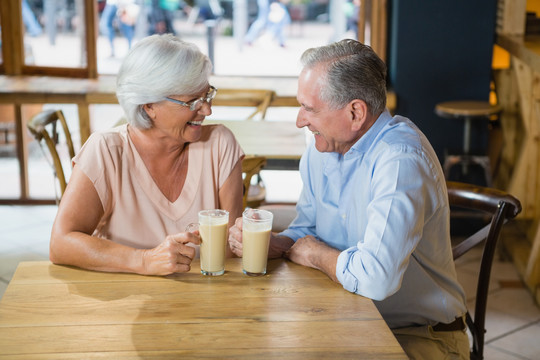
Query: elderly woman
point(135, 188)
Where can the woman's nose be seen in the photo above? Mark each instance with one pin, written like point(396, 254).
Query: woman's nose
point(206, 109)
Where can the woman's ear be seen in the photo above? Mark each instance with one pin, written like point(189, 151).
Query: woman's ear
point(149, 109)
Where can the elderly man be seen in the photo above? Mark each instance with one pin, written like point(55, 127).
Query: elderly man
point(373, 214)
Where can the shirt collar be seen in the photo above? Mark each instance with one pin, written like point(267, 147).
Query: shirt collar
point(365, 142)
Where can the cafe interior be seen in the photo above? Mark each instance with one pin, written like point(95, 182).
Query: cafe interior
point(467, 73)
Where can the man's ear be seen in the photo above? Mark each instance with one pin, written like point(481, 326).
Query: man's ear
point(359, 114)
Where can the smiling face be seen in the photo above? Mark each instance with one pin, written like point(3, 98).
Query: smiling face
point(176, 121)
point(334, 130)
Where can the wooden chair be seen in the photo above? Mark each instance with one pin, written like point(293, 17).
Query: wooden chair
point(254, 194)
point(44, 127)
point(501, 207)
point(258, 98)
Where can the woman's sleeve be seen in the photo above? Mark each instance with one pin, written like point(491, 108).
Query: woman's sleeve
point(230, 153)
point(94, 159)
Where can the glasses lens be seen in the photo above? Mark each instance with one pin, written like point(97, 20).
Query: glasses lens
point(211, 94)
point(196, 105)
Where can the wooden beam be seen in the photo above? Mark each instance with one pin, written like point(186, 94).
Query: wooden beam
point(511, 17)
point(12, 36)
point(362, 21)
point(22, 153)
point(378, 27)
point(92, 33)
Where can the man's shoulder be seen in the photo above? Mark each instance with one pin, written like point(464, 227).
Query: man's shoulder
point(402, 132)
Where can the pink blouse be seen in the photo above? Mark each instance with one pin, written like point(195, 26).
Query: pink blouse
point(136, 213)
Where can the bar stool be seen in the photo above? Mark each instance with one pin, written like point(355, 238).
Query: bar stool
point(468, 111)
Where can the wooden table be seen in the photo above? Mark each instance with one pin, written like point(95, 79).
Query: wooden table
point(281, 142)
point(57, 312)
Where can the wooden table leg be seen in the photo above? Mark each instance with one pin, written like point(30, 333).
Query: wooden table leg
point(22, 151)
point(84, 122)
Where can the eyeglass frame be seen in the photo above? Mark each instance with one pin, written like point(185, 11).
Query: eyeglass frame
point(193, 104)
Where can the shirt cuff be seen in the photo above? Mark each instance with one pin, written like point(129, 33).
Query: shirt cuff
point(291, 234)
point(344, 276)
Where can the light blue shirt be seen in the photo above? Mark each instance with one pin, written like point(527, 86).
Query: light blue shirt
point(384, 204)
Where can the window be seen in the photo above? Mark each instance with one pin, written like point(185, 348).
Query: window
point(81, 38)
point(84, 38)
point(52, 37)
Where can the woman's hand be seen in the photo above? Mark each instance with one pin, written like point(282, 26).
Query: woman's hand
point(171, 256)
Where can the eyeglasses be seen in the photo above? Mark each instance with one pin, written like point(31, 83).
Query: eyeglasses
point(195, 105)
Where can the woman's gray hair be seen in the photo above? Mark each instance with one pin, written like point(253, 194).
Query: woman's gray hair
point(353, 71)
point(156, 67)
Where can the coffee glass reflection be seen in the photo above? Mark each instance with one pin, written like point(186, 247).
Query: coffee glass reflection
point(256, 228)
point(212, 228)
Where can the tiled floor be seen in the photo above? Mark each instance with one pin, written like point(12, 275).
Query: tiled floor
point(513, 319)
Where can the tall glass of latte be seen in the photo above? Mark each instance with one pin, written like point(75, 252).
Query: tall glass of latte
point(213, 226)
point(256, 227)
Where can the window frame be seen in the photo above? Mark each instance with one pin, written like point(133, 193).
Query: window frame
point(372, 14)
point(13, 40)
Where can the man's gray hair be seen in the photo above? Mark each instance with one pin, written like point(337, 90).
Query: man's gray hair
point(353, 71)
point(156, 67)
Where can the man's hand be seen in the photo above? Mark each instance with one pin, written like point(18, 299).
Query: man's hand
point(309, 251)
point(235, 238)
point(278, 244)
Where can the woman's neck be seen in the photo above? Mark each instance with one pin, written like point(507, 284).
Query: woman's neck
point(167, 163)
point(155, 146)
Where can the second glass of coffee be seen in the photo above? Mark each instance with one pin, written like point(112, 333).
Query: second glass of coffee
point(256, 228)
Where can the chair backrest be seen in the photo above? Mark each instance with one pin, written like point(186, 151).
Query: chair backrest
point(258, 98)
point(44, 127)
point(501, 207)
point(251, 166)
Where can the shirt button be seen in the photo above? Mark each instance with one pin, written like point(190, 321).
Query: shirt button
point(343, 216)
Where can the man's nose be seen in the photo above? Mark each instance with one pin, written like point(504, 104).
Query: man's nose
point(300, 120)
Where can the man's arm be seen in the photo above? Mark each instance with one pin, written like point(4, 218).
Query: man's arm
point(309, 251)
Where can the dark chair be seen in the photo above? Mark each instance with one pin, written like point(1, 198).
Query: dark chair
point(501, 207)
point(44, 127)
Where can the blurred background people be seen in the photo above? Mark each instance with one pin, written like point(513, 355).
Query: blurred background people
point(122, 14)
point(272, 18)
point(352, 11)
point(160, 15)
point(278, 19)
point(259, 25)
point(32, 25)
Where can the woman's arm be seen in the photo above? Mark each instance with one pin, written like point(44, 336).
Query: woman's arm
point(72, 242)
